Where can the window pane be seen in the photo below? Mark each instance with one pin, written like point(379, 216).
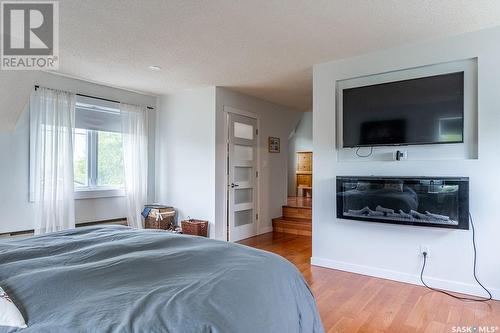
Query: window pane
point(242, 174)
point(243, 131)
point(242, 196)
point(109, 159)
point(80, 158)
point(243, 217)
point(243, 153)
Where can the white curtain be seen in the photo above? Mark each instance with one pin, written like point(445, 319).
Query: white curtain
point(135, 160)
point(52, 122)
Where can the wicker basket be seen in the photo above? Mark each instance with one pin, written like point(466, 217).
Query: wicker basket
point(195, 227)
point(160, 217)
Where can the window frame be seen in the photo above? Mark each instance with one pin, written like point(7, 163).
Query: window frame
point(92, 189)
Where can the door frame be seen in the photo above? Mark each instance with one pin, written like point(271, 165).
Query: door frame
point(226, 111)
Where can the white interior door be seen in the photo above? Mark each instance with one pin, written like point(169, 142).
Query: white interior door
point(242, 177)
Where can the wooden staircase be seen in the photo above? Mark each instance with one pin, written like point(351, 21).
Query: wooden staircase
point(296, 219)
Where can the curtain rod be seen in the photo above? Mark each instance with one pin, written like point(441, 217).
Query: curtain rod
point(100, 98)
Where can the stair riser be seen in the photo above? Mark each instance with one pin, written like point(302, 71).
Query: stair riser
point(290, 228)
point(293, 231)
point(297, 212)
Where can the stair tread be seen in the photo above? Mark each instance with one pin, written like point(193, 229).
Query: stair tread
point(282, 225)
point(297, 207)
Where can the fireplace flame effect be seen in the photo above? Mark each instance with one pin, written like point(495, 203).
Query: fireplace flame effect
point(412, 216)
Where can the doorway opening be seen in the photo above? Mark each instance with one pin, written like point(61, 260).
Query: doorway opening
point(303, 174)
point(297, 212)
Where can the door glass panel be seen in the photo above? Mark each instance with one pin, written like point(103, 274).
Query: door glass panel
point(243, 131)
point(243, 153)
point(243, 196)
point(243, 217)
point(242, 174)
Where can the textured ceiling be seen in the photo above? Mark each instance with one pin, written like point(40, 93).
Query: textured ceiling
point(264, 48)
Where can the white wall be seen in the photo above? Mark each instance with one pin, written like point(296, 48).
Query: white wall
point(190, 154)
point(301, 140)
point(16, 212)
point(275, 120)
point(392, 251)
point(185, 150)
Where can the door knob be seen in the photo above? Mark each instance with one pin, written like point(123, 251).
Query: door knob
point(233, 185)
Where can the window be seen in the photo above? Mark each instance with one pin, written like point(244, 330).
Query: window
point(80, 158)
point(98, 154)
point(109, 159)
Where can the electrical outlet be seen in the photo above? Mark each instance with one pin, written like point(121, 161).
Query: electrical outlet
point(424, 248)
point(400, 155)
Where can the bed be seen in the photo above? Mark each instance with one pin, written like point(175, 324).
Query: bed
point(118, 279)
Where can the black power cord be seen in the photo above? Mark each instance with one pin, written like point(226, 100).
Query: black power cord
point(364, 156)
point(474, 272)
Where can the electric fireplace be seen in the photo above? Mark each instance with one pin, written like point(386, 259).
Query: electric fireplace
point(421, 201)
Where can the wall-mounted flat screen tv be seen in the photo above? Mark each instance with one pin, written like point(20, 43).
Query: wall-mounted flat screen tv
point(420, 111)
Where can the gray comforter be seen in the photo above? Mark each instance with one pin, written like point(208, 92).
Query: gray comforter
point(116, 279)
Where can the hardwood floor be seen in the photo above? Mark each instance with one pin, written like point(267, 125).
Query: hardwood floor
point(350, 302)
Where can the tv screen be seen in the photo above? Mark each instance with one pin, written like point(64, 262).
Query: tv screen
point(419, 111)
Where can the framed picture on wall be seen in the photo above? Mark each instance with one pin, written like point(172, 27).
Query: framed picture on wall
point(274, 145)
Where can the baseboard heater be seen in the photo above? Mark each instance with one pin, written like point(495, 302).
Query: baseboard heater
point(78, 225)
point(441, 202)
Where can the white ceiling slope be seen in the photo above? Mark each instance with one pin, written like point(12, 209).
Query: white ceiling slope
point(264, 48)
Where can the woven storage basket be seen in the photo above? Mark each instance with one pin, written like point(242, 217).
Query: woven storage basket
point(160, 217)
point(195, 227)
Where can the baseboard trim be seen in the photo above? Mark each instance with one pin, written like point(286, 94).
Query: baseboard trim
point(454, 286)
point(265, 230)
point(122, 220)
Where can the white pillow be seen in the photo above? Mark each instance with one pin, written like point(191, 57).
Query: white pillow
point(9, 314)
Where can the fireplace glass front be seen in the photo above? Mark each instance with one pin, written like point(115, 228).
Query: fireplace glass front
point(433, 202)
